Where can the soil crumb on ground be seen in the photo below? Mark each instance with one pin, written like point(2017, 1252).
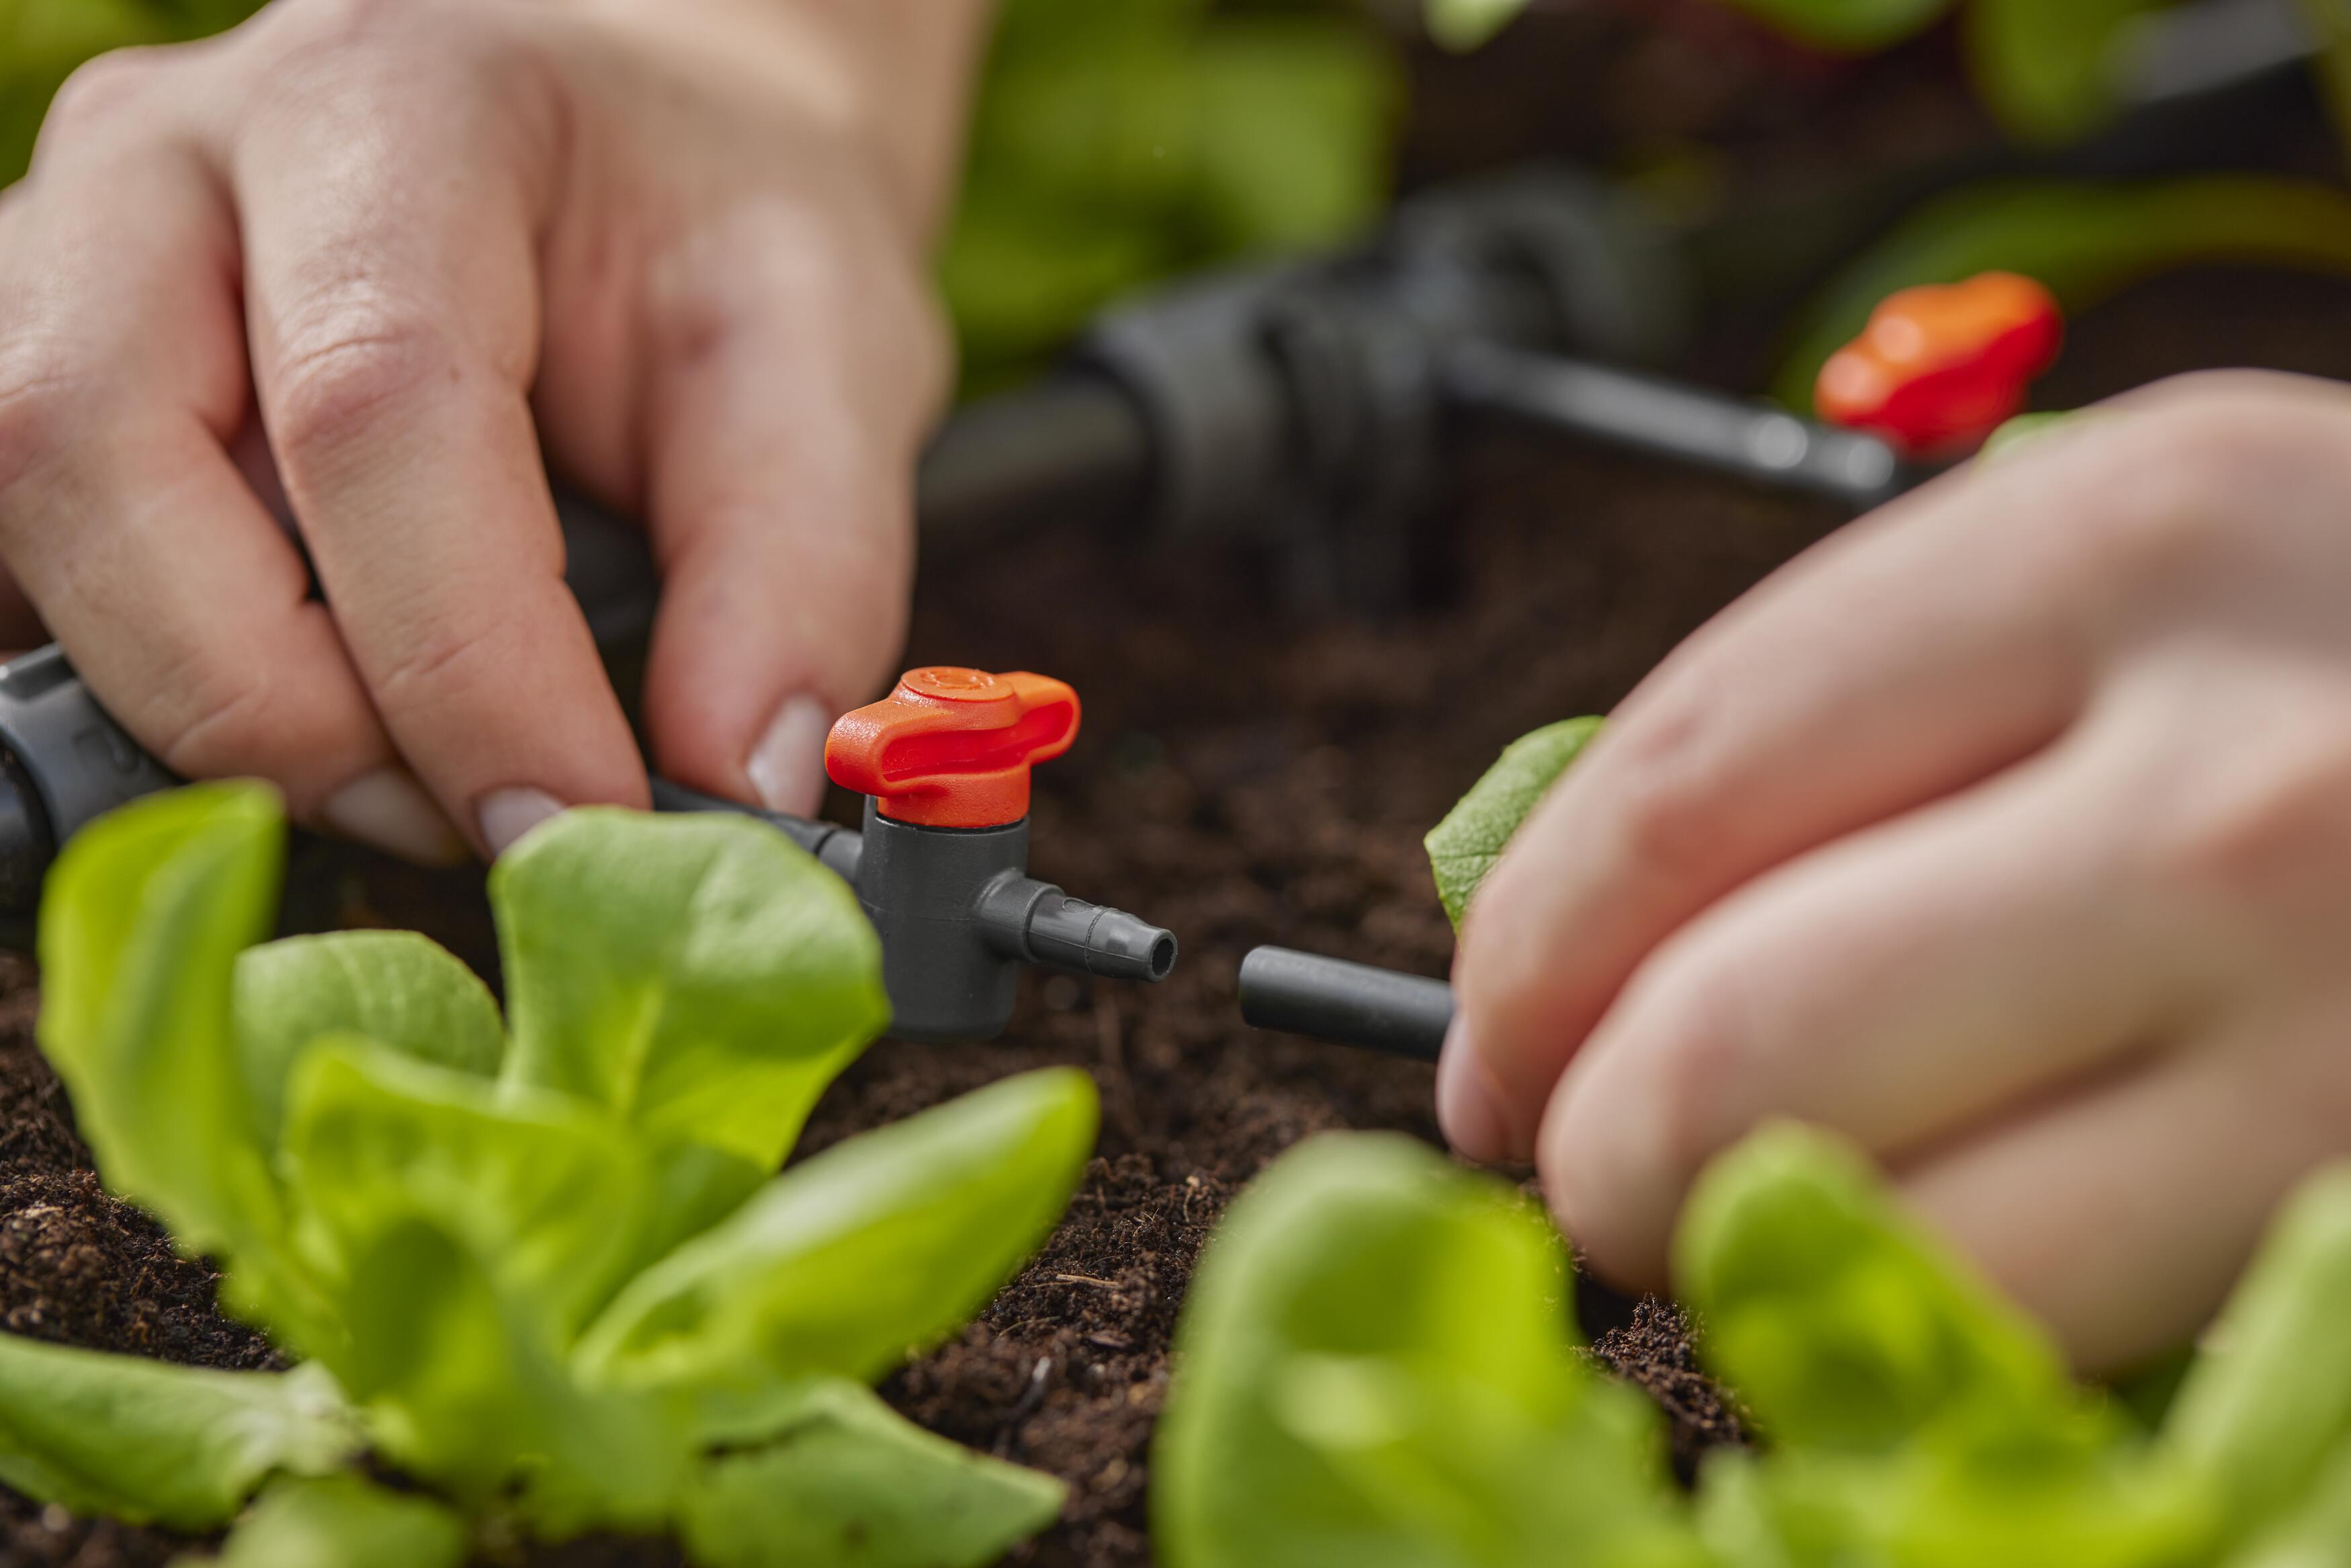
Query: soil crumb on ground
point(1654, 1353)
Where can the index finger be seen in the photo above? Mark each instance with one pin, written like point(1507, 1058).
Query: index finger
point(392, 283)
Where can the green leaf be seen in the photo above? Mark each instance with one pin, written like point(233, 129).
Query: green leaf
point(2268, 1403)
point(1911, 1415)
point(1374, 1371)
point(851, 1483)
point(396, 987)
point(1113, 144)
point(154, 1443)
point(2026, 432)
point(1465, 24)
point(847, 1263)
point(549, 1191)
point(1464, 847)
point(1291, 116)
point(1840, 1320)
point(2329, 22)
point(343, 1521)
point(693, 1187)
point(463, 1387)
point(142, 918)
point(2315, 1534)
point(1934, 1505)
point(2049, 70)
point(2084, 239)
point(1849, 26)
point(712, 1003)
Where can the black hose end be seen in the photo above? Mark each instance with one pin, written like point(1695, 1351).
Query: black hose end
point(1095, 939)
point(1345, 1004)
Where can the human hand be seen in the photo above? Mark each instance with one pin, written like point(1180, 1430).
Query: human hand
point(395, 244)
point(2009, 831)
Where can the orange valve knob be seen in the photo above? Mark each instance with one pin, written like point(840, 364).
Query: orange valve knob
point(952, 747)
point(1941, 367)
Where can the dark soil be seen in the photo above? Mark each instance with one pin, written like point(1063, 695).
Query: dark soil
point(1245, 776)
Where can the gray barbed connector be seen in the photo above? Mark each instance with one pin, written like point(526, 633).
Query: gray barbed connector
point(943, 870)
point(1346, 1004)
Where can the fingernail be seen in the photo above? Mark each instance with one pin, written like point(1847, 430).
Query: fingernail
point(507, 815)
point(1467, 1105)
point(389, 809)
point(787, 767)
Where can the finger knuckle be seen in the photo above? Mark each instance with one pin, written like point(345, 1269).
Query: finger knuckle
point(1698, 1024)
point(341, 59)
point(450, 666)
point(344, 363)
point(339, 22)
point(35, 382)
point(226, 722)
point(1671, 815)
point(2265, 836)
point(103, 89)
point(2162, 496)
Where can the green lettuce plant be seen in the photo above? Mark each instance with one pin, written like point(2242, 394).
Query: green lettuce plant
point(1374, 1371)
point(540, 1265)
point(1375, 1368)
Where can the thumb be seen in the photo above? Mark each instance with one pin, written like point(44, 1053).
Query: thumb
point(792, 384)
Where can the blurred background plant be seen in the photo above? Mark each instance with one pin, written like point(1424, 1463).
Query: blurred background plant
point(1114, 141)
point(2048, 69)
point(1118, 141)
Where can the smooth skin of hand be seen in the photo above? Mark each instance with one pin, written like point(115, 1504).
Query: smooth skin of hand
point(394, 245)
point(2009, 831)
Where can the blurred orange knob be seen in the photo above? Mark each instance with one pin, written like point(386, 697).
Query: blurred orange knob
point(1941, 367)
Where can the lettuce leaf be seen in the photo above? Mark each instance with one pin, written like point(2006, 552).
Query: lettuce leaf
point(1465, 846)
point(712, 1003)
point(1915, 1416)
point(1375, 1369)
point(849, 1482)
point(850, 1261)
point(343, 1521)
point(550, 1191)
point(396, 987)
point(2267, 1405)
point(142, 920)
point(157, 1444)
point(1841, 1322)
point(462, 1386)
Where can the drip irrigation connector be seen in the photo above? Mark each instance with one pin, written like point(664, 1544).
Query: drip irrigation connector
point(943, 762)
point(1344, 1003)
point(941, 869)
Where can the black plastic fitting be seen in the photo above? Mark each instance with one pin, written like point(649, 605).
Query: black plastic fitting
point(66, 762)
point(959, 916)
point(1684, 423)
point(1345, 1003)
